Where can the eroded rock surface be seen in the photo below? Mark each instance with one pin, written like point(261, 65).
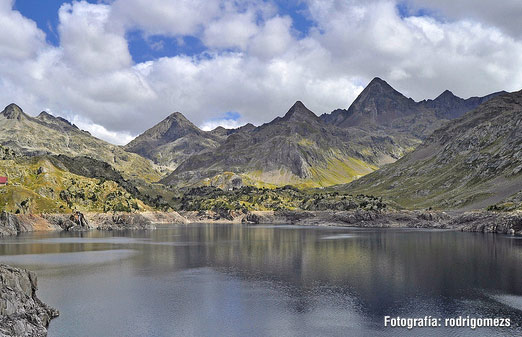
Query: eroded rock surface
point(22, 313)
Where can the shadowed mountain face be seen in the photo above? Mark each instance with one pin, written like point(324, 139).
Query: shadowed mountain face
point(46, 134)
point(380, 107)
point(377, 105)
point(473, 162)
point(298, 148)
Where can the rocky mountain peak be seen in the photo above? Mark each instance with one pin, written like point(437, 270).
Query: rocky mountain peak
point(447, 96)
point(46, 117)
point(377, 81)
point(379, 88)
point(299, 111)
point(13, 111)
point(178, 117)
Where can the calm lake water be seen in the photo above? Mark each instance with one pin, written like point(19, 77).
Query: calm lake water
point(235, 280)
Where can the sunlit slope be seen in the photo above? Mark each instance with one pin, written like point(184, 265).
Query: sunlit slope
point(36, 185)
point(47, 134)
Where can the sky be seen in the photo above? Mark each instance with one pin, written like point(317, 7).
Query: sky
point(116, 68)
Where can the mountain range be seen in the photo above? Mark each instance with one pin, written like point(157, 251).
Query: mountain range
point(301, 148)
point(384, 144)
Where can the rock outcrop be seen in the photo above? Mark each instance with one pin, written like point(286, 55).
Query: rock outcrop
point(69, 222)
point(12, 224)
point(22, 313)
point(120, 221)
point(489, 222)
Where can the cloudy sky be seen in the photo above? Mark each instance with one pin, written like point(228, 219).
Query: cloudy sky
point(118, 67)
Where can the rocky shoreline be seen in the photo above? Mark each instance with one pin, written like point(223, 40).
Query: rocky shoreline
point(479, 221)
point(22, 313)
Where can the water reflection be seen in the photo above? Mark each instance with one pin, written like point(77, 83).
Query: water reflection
point(270, 280)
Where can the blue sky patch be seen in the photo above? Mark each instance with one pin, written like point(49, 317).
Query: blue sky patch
point(406, 10)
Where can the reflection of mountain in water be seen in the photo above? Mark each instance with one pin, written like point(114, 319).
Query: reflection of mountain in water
point(381, 270)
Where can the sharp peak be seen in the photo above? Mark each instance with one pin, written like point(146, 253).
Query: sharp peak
point(44, 113)
point(298, 104)
point(177, 118)
point(377, 80)
point(446, 93)
point(177, 115)
point(299, 109)
point(13, 111)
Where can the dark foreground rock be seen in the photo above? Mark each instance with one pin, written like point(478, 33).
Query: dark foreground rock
point(22, 313)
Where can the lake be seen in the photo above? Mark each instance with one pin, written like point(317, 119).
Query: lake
point(239, 280)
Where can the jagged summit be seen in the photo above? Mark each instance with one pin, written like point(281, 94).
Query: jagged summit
point(299, 111)
point(61, 122)
point(13, 111)
point(176, 125)
point(177, 116)
point(445, 95)
point(44, 115)
point(379, 82)
point(377, 104)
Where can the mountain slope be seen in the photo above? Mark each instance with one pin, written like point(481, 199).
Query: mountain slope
point(173, 140)
point(47, 134)
point(298, 149)
point(473, 162)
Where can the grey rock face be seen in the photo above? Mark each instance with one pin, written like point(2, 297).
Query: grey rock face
point(10, 224)
point(46, 134)
point(299, 144)
point(121, 221)
point(22, 313)
point(13, 111)
point(69, 222)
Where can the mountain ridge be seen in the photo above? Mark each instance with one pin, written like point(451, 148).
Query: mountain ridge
point(471, 163)
point(47, 134)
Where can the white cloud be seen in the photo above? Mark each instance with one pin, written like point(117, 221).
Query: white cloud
point(19, 37)
point(230, 31)
point(226, 123)
point(504, 15)
point(99, 131)
point(173, 18)
point(90, 43)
